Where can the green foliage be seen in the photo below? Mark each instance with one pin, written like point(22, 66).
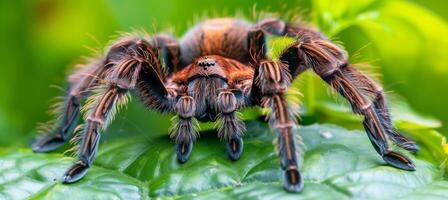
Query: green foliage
point(339, 163)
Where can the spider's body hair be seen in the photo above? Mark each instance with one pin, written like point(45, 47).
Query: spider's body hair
point(228, 127)
point(182, 130)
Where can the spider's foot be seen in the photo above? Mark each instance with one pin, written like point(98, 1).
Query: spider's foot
point(235, 148)
point(75, 173)
point(293, 180)
point(48, 143)
point(398, 161)
point(183, 151)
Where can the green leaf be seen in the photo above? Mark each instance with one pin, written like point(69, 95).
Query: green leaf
point(339, 163)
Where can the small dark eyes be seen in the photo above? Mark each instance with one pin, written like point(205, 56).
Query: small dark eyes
point(206, 63)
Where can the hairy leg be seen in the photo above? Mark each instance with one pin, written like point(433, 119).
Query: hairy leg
point(230, 128)
point(374, 92)
point(312, 50)
point(132, 63)
point(332, 54)
point(103, 110)
point(80, 84)
point(372, 123)
point(272, 81)
point(270, 84)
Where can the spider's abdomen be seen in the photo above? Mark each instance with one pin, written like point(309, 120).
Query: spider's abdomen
point(224, 36)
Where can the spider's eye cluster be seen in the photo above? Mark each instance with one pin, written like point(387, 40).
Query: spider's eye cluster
point(206, 62)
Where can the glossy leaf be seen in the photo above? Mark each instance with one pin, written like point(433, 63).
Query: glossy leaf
point(337, 164)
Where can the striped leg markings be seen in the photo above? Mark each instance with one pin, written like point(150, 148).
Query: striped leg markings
point(128, 65)
point(273, 80)
point(100, 115)
point(373, 91)
point(372, 122)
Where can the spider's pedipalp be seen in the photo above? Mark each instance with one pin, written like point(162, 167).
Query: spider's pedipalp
point(230, 127)
point(184, 131)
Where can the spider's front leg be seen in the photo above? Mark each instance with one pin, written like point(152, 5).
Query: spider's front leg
point(132, 63)
point(273, 79)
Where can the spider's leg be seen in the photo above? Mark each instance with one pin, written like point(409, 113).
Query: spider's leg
point(371, 89)
point(231, 128)
point(80, 84)
point(365, 84)
point(184, 131)
point(372, 122)
point(312, 50)
point(273, 80)
point(132, 64)
point(256, 44)
point(102, 111)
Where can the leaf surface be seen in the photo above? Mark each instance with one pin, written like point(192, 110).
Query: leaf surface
point(337, 164)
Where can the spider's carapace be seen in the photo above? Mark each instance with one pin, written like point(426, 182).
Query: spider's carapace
point(218, 67)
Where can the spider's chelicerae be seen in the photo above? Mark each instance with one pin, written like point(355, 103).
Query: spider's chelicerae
point(218, 67)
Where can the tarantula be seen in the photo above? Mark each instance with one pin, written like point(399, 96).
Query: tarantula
point(218, 67)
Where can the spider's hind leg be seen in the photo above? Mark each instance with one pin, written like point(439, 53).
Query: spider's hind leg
point(373, 122)
point(372, 90)
point(330, 62)
point(80, 84)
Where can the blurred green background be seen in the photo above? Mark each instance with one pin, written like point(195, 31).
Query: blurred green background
point(42, 39)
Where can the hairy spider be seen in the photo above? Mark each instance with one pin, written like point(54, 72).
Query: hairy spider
point(218, 67)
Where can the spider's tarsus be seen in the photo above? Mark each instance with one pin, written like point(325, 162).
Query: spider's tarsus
point(399, 161)
point(47, 143)
point(183, 151)
point(293, 181)
point(75, 173)
point(235, 148)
